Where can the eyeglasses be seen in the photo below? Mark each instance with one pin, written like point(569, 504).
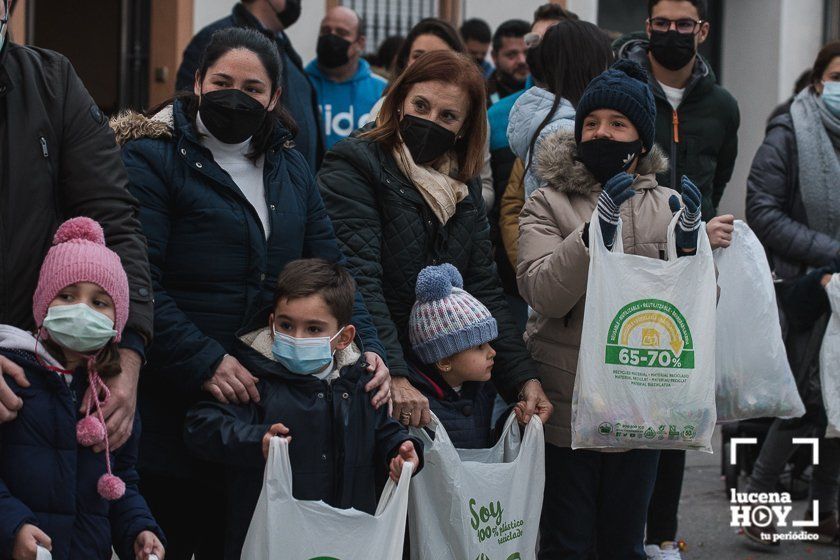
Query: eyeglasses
point(684, 25)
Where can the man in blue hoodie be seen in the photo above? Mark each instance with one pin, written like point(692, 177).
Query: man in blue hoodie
point(346, 87)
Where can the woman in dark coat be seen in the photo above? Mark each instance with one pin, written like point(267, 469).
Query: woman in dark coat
point(794, 209)
point(225, 202)
point(403, 195)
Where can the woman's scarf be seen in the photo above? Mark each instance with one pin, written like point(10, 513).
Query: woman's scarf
point(818, 143)
point(439, 189)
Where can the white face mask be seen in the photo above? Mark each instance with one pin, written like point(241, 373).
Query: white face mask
point(78, 327)
point(831, 97)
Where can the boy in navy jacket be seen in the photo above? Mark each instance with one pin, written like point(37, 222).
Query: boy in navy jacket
point(311, 384)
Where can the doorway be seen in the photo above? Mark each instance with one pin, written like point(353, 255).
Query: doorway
point(107, 41)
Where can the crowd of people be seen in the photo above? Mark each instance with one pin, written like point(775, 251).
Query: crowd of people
point(331, 252)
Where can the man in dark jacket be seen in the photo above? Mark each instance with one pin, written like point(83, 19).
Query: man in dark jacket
point(696, 119)
point(697, 124)
point(299, 97)
point(58, 159)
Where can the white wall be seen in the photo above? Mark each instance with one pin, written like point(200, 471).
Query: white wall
point(494, 12)
point(759, 66)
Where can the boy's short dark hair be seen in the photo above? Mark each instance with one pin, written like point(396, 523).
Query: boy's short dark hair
point(308, 277)
point(476, 30)
point(511, 28)
point(553, 12)
point(701, 5)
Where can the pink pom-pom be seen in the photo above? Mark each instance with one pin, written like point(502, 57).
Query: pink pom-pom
point(110, 487)
point(90, 431)
point(82, 229)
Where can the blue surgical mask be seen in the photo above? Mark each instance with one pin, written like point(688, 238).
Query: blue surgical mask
point(831, 97)
point(78, 327)
point(304, 356)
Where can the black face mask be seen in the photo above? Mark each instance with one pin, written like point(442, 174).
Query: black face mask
point(231, 115)
point(291, 14)
point(672, 49)
point(332, 51)
point(605, 158)
point(426, 140)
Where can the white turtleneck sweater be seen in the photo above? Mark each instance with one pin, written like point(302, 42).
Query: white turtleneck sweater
point(246, 174)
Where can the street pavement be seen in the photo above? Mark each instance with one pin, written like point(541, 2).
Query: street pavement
point(704, 518)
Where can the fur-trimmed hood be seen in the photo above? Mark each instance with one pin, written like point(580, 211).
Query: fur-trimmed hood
point(556, 166)
point(131, 125)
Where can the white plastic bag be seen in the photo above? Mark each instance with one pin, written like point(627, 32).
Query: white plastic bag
point(754, 379)
point(469, 504)
point(646, 370)
point(284, 528)
point(830, 361)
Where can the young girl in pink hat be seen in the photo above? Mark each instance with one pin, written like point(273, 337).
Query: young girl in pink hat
point(56, 491)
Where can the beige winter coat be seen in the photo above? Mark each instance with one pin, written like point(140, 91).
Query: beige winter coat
point(553, 262)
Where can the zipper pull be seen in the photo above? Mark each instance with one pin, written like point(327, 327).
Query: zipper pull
point(44, 149)
point(676, 121)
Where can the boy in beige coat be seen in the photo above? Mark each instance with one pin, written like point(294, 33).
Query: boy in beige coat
point(593, 500)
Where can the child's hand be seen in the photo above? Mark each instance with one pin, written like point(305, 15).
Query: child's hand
point(146, 544)
point(27, 540)
point(274, 430)
point(406, 453)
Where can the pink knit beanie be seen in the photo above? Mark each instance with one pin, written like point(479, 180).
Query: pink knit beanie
point(79, 254)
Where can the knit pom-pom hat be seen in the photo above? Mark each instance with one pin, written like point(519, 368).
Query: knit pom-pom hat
point(445, 319)
point(79, 254)
point(624, 88)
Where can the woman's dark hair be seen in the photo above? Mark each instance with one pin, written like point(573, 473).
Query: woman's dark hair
point(553, 12)
point(828, 53)
point(221, 43)
point(428, 26)
point(569, 56)
point(388, 50)
point(701, 5)
point(451, 68)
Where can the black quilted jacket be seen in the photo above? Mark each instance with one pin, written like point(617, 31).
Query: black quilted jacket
point(389, 234)
point(775, 210)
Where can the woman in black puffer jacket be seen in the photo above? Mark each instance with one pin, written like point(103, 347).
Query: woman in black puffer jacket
point(402, 196)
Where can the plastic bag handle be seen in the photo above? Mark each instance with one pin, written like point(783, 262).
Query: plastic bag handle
point(393, 490)
point(596, 238)
point(704, 247)
point(278, 469)
point(436, 426)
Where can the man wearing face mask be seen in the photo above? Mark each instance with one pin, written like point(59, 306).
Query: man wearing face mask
point(272, 18)
point(58, 159)
point(697, 124)
point(697, 120)
point(347, 89)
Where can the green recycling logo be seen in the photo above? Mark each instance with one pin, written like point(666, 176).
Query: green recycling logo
point(650, 333)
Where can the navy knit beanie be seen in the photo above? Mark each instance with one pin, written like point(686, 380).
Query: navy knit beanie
point(624, 88)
